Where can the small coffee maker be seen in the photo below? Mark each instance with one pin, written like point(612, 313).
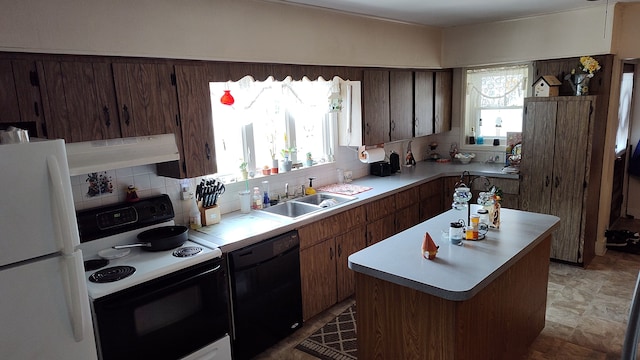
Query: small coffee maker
point(394, 160)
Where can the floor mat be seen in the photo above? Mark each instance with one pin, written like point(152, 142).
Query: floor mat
point(623, 240)
point(336, 340)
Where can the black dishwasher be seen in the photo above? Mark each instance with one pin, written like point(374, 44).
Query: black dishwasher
point(266, 296)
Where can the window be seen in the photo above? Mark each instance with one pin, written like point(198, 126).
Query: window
point(494, 102)
point(269, 117)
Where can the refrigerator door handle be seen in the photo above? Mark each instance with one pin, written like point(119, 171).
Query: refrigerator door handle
point(66, 224)
point(77, 301)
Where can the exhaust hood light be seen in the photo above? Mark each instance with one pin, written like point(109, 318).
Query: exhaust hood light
point(102, 155)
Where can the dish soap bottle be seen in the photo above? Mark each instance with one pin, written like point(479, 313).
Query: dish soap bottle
point(310, 190)
point(256, 204)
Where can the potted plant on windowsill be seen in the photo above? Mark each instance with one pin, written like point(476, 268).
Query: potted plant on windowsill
point(286, 162)
point(309, 160)
point(243, 170)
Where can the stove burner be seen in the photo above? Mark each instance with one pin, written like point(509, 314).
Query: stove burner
point(112, 274)
point(187, 251)
point(95, 264)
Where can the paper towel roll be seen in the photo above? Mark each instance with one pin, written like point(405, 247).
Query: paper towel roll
point(371, 155)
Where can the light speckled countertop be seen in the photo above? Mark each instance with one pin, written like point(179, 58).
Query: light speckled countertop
point(237, 230)
point(458, 272)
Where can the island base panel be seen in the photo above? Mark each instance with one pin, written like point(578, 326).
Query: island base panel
point(499, 322)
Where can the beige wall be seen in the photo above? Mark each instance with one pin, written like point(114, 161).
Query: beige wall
point(626, 32)
point(566, 34)
point(238, 30)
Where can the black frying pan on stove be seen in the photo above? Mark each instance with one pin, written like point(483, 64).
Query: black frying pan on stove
point(160, 239)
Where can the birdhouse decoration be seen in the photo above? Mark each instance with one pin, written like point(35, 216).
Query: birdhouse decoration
point(546, 86)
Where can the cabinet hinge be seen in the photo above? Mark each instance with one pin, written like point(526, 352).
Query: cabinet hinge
point(173, 79)
point(33, 78)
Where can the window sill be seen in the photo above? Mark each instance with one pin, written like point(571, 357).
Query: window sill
point(483, 147)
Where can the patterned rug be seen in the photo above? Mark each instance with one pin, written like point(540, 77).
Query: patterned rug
point(336, 340)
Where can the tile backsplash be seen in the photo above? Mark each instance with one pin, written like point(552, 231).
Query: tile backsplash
point(87, 195)
point(144, 178)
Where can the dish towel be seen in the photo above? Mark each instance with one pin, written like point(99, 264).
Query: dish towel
point(344, 189)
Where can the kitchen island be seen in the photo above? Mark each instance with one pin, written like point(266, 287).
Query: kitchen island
point(483, 300)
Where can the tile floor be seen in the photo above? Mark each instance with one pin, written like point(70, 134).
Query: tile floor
point(587, 310)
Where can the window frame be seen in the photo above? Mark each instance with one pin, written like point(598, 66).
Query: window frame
point(327, 124)
point(467, 124)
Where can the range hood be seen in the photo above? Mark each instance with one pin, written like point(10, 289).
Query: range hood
point(102, 155)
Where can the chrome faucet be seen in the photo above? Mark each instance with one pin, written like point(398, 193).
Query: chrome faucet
point(286, 190)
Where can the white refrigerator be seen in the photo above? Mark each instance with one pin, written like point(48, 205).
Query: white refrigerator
point(44, 306)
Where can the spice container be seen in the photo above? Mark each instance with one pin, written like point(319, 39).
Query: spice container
point(455, 233)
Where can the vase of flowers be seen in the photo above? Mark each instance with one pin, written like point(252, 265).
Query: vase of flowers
point(579, 79)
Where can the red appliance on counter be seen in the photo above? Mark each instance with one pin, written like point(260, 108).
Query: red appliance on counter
point(167, 304)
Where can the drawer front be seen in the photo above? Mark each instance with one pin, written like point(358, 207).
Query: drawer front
point(380, 208)
point(407, 197)
point(331, 226)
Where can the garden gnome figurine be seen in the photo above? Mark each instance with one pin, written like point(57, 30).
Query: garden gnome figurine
point(132, 195)
point(429, 248)
point(409, 160)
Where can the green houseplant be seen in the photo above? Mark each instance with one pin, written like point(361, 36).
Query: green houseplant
point(243, 170)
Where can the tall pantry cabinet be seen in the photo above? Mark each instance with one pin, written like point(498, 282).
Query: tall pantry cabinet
point(555, 170)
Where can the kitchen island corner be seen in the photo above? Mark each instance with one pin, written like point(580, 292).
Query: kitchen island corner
point(483, 300)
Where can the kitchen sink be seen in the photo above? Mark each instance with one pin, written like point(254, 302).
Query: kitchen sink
point(292, 209)
point(325, 199)
point(307, 204)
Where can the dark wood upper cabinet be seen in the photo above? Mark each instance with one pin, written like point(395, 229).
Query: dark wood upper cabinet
point(443, 101)
point(375, 99)
point(196, 120)
point(423, 92)
point(20, 101)
point(401, 104)
point(146, 96)
point(79, 101)
point(9, 109)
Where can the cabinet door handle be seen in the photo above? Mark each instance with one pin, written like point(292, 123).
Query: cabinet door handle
point(339, 250)
point(107, 118)
point(546, 181)
point(393, 125)
point(125, 114)
point(557, 182)
point(207, 150)
point(368, 128)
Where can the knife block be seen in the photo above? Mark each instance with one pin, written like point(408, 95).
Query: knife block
point(210, 216)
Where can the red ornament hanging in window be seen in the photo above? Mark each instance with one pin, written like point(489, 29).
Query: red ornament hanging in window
point(226, 98)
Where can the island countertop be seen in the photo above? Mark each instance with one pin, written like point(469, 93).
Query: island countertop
point(458, 272)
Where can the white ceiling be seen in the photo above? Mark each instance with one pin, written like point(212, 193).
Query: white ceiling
point(446, 13)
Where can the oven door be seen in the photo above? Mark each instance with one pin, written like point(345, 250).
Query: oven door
point(165, 318)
